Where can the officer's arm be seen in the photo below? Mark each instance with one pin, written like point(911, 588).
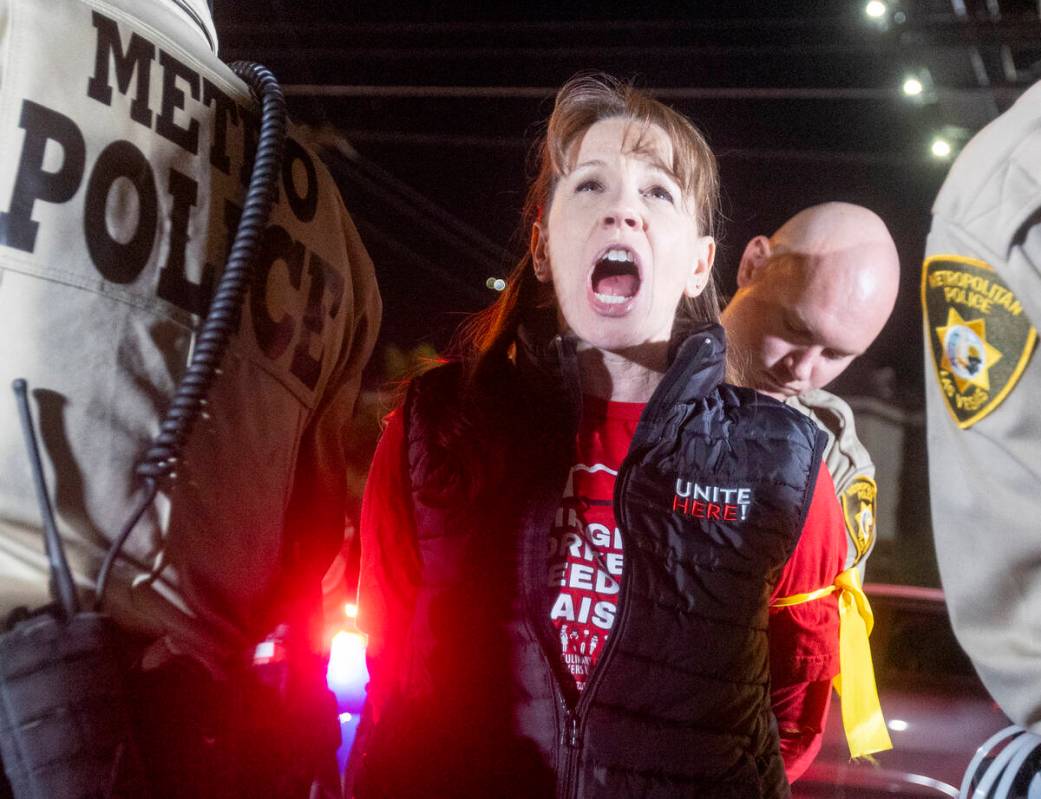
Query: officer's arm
point(985, 472)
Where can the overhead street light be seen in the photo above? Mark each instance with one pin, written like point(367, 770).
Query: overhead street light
point(876, 9)
point(912, 86)
point(941, 148)
point(918, 85)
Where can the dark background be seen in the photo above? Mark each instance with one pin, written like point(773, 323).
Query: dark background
point(428, 113)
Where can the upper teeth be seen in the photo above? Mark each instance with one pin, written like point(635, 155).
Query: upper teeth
point(619, 255)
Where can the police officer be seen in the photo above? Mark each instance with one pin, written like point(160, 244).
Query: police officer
point(810, 299)
point(125, 147)
point(981, 300)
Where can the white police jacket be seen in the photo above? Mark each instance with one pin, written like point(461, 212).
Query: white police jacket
point(123, 159)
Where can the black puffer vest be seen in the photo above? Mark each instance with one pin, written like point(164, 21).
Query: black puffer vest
point(710, 499)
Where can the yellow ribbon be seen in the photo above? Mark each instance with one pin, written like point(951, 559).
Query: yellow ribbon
point(862, 718)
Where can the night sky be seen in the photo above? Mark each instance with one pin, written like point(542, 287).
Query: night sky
point(434, 110)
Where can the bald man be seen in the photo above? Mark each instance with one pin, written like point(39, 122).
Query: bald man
point(810, 299)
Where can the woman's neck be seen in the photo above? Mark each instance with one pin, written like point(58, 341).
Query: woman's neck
point(629, 376)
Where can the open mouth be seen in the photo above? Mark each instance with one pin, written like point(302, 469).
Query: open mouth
point(615, 281)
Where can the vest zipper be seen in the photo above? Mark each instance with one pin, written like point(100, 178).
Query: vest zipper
point(571, 739)
point(571, 732)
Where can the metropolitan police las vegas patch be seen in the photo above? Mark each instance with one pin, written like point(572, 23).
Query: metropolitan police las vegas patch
point(980, 338)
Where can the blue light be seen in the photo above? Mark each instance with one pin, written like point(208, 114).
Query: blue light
point(347, 677)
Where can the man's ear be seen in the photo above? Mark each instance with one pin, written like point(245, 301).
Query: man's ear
point(701, 272)
point(539, 249)
point(756, 255)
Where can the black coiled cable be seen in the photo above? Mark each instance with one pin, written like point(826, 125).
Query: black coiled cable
point(222, 317)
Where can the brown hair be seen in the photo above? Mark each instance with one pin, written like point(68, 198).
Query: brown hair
point(582, 102)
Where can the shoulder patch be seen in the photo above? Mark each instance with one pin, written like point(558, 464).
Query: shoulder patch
point(979, 337)
point(859, 513)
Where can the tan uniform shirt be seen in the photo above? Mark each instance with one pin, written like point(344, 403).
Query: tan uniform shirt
point(981, 295)
point(851, 469)
point(122, 146)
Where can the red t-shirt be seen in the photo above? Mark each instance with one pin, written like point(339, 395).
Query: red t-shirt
point(803, 638)
point(585, 546)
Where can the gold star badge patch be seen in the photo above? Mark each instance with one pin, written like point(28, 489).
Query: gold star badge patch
point(967, 354)
point(858, 511)
point(979, 337)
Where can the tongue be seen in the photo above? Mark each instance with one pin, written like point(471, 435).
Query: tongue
point(617, 285)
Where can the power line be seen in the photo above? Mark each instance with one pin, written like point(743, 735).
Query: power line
point(446, 235)
point(495, 255)
point(659, 52)
point(629, 28)
point(900, 160)
point(435, 139)
point(412, 203)
point(368, 229)
point(1010, 93)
